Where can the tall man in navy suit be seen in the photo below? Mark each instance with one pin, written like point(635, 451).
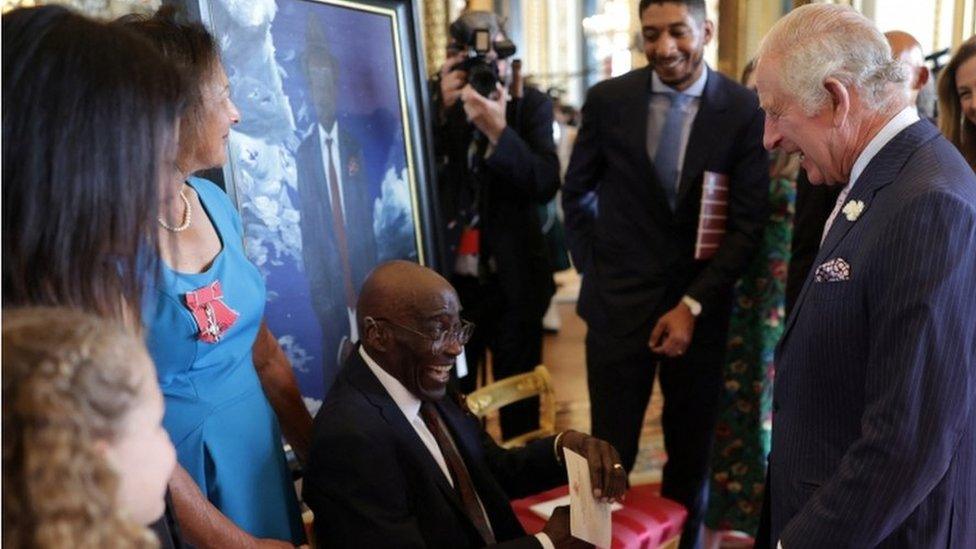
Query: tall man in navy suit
point(874, 427)
point(657, 270)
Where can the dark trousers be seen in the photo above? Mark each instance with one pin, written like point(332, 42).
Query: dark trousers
point(515, 342)
point(620, 374)
point(764, 531)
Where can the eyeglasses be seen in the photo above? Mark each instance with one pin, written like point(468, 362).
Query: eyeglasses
point(459, 333)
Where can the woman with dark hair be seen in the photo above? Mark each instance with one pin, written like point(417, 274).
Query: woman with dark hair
point(226, 381)
point(89, 130)
point(90, 113)
point(957, 100)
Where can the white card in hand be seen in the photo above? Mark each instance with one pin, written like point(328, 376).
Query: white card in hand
point(589, 519)
point(545, 509)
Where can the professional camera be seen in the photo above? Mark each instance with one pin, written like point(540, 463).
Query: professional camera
point(474, 30)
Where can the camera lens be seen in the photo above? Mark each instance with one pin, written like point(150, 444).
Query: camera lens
point(483, 77)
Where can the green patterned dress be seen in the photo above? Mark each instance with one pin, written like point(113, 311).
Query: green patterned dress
point(742, 434)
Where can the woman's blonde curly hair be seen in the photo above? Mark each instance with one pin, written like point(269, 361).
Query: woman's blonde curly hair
point(69, 381)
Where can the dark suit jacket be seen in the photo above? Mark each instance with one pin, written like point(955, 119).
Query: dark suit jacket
point(323, 267)
point(636, 255)
point(813, 206)
point(520, 175)
point(874, 432)
point(371, 482)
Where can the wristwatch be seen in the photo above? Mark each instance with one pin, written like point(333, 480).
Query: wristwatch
point(693, 305)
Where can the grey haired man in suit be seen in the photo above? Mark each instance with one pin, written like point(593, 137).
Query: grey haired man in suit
point(875, 398)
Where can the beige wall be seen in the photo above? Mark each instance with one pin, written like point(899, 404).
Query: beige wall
point(742, 26)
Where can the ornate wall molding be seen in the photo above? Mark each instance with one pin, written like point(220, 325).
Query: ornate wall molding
point(105, 9)
point(436, 19)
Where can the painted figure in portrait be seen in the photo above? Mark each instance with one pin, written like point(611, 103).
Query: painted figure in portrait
point(322, 164)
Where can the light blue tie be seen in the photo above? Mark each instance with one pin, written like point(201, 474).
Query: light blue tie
point(669, 146)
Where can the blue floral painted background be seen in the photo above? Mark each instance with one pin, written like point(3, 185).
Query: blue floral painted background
point(262, 42)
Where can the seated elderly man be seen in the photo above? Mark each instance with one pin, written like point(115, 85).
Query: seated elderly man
point(398, 461)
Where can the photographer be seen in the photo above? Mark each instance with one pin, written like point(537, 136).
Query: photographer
point(496, 164)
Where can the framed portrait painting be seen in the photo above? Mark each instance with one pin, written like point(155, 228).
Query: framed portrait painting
point(330, 164)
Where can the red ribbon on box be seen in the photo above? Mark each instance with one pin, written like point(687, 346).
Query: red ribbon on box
point(212, 315)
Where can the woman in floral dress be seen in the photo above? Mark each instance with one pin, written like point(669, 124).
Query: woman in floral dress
point(742, 434)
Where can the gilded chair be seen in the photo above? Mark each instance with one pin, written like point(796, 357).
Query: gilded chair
point(513, 389)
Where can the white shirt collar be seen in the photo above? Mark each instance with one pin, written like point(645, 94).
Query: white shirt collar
point(404, 399)
point(695, 90)
point(905, 118)
point(330, 134)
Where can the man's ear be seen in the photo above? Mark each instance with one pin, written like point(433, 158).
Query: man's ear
point(374, 336)
point(840, 100)
point(922, 77)
point(709, 31)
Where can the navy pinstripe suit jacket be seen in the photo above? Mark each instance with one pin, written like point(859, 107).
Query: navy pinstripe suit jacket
point(875, 397)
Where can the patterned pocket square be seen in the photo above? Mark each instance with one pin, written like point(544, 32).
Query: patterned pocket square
point(833, 270)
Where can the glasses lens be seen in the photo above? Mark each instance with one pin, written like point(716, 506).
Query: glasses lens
point(461, 334)
point(464, 332)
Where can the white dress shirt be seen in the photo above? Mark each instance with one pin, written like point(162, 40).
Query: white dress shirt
point(905, 118)
point(410, 406)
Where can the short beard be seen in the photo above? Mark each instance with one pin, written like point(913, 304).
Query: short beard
point(696, 62)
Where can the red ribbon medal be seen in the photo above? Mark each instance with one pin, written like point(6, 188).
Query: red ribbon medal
point(212, 315)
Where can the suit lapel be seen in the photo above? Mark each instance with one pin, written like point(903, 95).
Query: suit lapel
point(319, 184)
point(879, 173)
point(375, 393)
point(351, 163)
point(702, 136)
point(468, 442)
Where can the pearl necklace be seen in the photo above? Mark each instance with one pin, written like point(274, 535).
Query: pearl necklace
point(185, 224)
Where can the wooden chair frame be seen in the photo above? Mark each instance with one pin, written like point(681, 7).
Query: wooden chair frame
point(513, 389)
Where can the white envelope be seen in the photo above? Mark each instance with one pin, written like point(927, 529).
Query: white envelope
point(589, 519)
point(544, 509)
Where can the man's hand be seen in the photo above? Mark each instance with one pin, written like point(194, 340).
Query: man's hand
point(671, 335)
point(558, 530)
point(452, 81)
point(607, 476)
point(488, 115)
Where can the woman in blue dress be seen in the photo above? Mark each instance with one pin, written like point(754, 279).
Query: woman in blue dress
point(226, 382)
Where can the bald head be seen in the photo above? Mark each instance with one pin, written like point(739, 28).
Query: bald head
point(906, 49)
point(404, 312)
point(399, 289)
